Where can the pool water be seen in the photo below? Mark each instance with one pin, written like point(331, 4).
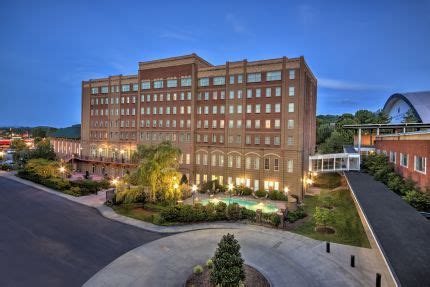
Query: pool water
point(248, 204)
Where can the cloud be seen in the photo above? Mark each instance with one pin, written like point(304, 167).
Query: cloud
point(307, 13)
point(336, 84)
point(237, 25)
point(178, 35)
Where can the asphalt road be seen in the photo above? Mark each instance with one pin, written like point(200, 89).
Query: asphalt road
point(46, 240)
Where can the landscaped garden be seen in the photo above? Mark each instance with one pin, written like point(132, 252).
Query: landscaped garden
point(383, 171)
point(332, 216)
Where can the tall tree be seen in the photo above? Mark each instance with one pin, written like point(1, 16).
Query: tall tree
point(382, 117)
point(43, 150)
point(157, 169)
point(410, 117)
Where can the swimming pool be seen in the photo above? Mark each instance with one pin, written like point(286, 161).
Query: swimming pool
point(249, 204)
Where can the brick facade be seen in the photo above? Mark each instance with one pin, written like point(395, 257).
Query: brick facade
point(410, 146)
point(211, 113)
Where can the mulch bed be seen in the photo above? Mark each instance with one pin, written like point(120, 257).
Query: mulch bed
point(252, 278)
point(325, 230)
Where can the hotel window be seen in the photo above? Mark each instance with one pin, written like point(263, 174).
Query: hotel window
point(291, 107)
point(186, 82)
point(222, 110)
point(267, 124)
point(198, 158)
point(266, 164)
point(172, 83)
point(104, 90)
point(277, 108)
point(268, 108)
point(248, 163)
point(290, 140)
point(214, 110)
point(268, 92)
point(277, 124)
point(239, 109)
point(238, 161)
point(257, 124)
point(254, 78)
point(219, 81)
point(248, 124)
point(148, 98)
point(213, 138)
point(231, 109)
point(267, 140)
point(221, 124)
point(182, 97)
point(257, 108)
point(239, 124)
point(188, 109)
point(174, 96)
point(167, 123)
point(248, 139)
point(249, 94)
point(231, 124)
point(404, 160)
point(257, 93)
point(205, 124)
point(182, 110)
point(199, 124)
point(248, 109)
point(239, 94)
point(290, 164)
point(420, 164)
point(221, 160)
point(206, 110)
point(189, 96)
point(206, 96)
point(205, 159)
point(213, 160)
point(276, 164)
point(257, 139)
point(230, 161)
point(231, 95)
point(158, 84)
point(222, 95)
point(273, 76)
point(277, 91)
point(239, 79)
point(291, 91)
point(204, 82)
point(231, 79)
point(94, 90)
point(187, 158)
point(135, 87)
point(392, 156)
point(291, 124)
point(167, 97)
point(276, 140)
point(230, 139)
point(145, 85)
point(292, 74)
point(257, 163)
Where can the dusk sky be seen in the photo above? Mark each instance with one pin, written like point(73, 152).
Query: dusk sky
point(360, 51)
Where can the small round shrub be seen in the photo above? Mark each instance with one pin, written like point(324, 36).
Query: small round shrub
point(209, 263)
point(260, 193)
point(198, 269)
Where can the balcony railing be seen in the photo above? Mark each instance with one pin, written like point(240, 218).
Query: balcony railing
point(106, 159)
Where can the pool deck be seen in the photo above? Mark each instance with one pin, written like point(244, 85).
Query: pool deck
point(203, 196)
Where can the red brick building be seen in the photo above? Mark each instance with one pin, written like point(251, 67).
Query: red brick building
point(250, 123)
point(410, 152)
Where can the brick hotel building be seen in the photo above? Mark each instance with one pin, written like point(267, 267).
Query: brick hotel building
point(250, 123)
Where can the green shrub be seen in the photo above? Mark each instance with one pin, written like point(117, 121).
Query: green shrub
point(296, 215)
point(248, 214)
point(277, 195)
point(242, 190)
point(260, 193)
point(228, 263)
point(233, 211)
point(75, 191)
point(395, 183)
point(275, 220)
point(198, 269)
point(418, 200)
point(220, 210)
point(89, 186)
point(209, 263)
point(132, 195)
point(322, 216)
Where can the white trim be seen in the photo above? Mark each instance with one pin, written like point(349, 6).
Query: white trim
point(425, 165)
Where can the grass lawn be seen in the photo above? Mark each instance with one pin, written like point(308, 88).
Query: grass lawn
point(347, 224)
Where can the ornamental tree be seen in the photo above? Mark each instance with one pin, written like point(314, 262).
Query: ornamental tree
point(227, 263)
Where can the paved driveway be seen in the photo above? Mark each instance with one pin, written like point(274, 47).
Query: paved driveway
point(46, 240)
point(286, 259)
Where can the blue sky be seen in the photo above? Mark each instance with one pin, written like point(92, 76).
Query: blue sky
point(360, 51)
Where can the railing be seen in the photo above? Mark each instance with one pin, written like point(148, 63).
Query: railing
point(106, 159)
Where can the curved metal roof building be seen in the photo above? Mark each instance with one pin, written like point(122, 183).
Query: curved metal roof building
point(398, 104)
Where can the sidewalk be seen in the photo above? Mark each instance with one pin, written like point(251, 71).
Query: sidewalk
point(97, 201)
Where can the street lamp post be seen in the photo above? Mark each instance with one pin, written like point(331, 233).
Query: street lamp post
point(193, 191)
point(62, 170)
point(230, 188)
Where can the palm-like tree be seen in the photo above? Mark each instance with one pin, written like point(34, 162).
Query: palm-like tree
point(157, 168)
